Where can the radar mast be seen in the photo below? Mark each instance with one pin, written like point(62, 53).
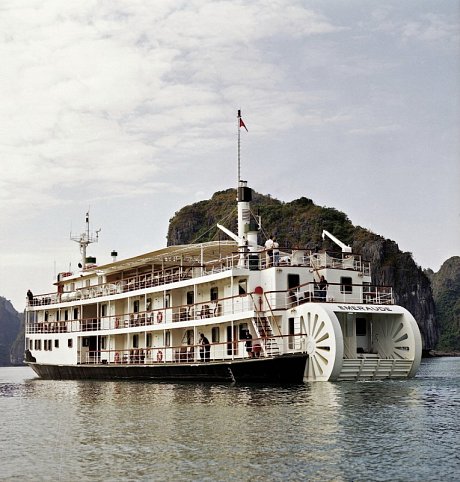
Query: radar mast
point(84, 240)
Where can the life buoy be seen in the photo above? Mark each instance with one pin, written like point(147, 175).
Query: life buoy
point(160, 316)
point(159, 356)
point(117, 357)
point(117, 322)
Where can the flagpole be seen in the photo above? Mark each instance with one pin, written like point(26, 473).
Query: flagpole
point(239, 134)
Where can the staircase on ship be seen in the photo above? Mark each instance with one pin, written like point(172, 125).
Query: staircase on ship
point(264, 332)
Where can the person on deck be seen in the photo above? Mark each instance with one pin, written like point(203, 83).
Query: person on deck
point(248, 344)
point(205, 348)
point(276, 252)
point(323, 288)
point(269, 251)
point(30, 297)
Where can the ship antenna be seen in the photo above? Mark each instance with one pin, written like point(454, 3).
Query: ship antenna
point(240, 125)
point(85, 239)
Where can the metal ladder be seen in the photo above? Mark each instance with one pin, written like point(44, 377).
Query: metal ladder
point(264, 331)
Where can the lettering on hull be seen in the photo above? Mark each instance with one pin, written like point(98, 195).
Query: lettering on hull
point(363, 308)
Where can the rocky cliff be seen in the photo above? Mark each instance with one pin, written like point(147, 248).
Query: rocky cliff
point(10, 326)
point(412, 288)
point(446, 293)
point(300, 223)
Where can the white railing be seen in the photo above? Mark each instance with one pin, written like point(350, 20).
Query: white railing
point(253, 261)
point(193, 353)
point(339, 293)
point(267, 303)
point(197, 311)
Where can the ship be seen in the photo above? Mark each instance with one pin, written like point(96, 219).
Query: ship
point(234, 310)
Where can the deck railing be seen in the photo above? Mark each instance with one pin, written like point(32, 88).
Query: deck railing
point(271, 301)
point(253, 261)
point(193, 353)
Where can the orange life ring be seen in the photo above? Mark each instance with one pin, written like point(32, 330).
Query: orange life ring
point(159, 356)
point(160, 316)
point(117, 357)
point(117, 322)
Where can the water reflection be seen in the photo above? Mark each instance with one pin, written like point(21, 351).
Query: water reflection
point(151, 431)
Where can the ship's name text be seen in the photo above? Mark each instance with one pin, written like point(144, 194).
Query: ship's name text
point(363, 308)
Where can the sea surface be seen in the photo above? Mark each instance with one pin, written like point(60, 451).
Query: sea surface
point(367, 431)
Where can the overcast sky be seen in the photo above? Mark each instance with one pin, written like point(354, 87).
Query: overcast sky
point(128, 108)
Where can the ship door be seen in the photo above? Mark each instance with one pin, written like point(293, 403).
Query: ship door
point(362, 335)
point(89, 349)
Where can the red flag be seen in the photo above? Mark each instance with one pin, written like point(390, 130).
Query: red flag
point(242, 124)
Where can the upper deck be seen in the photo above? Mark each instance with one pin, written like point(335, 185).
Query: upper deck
point(187, 264)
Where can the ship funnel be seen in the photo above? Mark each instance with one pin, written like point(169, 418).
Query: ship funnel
point(114, 255)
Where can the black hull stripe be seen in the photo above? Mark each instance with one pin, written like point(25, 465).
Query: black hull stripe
point(281, 369)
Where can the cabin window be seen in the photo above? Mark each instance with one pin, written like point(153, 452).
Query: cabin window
point(66, 315)
point(56, 343)
point(38, 344)
point(361, 327)
point(46, 316)
point(57, 315)
point(85, 342)
point(190, 297)
point(167, 300)
point(50, 345)
point(215, 335)
point(148, 304)
point(103, 342)
point(103, 310)
point(242, 287)
point(136, 306)
point(293, 280)
point(346, 284)
point(31, 345)
point(135, 341)
point(214, 293)
point(69, 342)
point(168, 338)
point(149, 339)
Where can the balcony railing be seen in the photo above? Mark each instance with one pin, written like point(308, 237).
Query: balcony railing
point(270, 301)
point(193, 353)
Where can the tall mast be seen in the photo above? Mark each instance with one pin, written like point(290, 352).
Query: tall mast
point(85, 239)
point(247, 228)
point(239, 152)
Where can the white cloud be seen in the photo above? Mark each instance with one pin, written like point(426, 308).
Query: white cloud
point(96, 92)
point(430, 28)
point(104, 101)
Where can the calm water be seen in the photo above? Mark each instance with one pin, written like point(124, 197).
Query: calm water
point(71, 430)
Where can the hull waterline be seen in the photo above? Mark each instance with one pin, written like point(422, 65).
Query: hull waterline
point(281, 369)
